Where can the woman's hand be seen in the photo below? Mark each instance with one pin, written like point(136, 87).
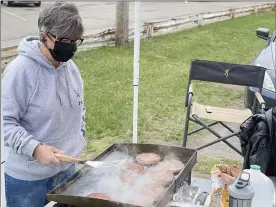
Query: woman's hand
point(45, 154)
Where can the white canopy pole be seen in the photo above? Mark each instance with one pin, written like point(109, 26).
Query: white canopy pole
point(136, 69)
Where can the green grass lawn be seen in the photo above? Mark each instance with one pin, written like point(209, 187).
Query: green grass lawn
point(164, 69)
point(205, 164)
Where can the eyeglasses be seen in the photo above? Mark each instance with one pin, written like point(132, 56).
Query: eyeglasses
point(78, 42)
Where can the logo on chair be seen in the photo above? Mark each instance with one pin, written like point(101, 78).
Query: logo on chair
point(226, 73)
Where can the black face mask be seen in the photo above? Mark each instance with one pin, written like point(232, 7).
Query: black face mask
point(62, 51)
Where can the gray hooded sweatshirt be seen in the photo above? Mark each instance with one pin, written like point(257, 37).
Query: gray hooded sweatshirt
point(41, 105)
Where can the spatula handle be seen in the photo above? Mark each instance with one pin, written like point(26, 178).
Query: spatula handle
point(66, 158)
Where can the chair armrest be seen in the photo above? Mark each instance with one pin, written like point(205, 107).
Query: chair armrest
point(191, 89)
point(189, 95)
point(260, 98)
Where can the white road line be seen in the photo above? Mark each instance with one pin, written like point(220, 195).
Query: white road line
point(19, 17)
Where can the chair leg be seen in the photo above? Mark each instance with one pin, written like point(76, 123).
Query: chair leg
point(186, 128)
point(201, 128)
point(216, 141)
point(227, 127)
point(216, 134)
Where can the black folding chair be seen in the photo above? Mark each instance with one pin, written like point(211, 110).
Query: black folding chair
point(226, 73)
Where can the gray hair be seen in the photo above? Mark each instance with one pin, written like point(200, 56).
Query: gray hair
point(61, 19)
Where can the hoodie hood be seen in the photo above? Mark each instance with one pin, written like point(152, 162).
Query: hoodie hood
point(30, 47)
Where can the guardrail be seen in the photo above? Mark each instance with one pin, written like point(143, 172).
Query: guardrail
point(158, 27)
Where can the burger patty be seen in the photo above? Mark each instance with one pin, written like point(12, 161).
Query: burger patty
point(153, 190)
point(175, 166)
point(148, 159)
point(102, 196)
point(133, 168)
point(130, 171)
point(162, 177)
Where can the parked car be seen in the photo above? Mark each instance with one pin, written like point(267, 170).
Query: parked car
point(267, 59)
point(10, 3)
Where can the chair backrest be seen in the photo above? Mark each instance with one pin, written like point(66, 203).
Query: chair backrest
point(227, 73)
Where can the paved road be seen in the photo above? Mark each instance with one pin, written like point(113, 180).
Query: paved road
point(19, 21)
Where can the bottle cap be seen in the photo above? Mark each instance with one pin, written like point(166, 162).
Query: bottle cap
point(255, 167)
point(240, 189)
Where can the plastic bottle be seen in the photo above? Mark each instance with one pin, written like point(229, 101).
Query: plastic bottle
point(263, 187)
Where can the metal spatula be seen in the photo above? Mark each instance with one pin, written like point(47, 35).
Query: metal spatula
point(95, 164)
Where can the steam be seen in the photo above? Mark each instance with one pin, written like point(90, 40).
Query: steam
point(108, 180)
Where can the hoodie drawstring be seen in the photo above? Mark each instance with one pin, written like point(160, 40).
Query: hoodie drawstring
point(68, 87)
point(57, 88)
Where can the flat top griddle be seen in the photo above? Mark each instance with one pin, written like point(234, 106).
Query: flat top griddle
point(74, 190)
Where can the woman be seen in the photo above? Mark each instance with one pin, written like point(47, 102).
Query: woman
point(43, 107)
